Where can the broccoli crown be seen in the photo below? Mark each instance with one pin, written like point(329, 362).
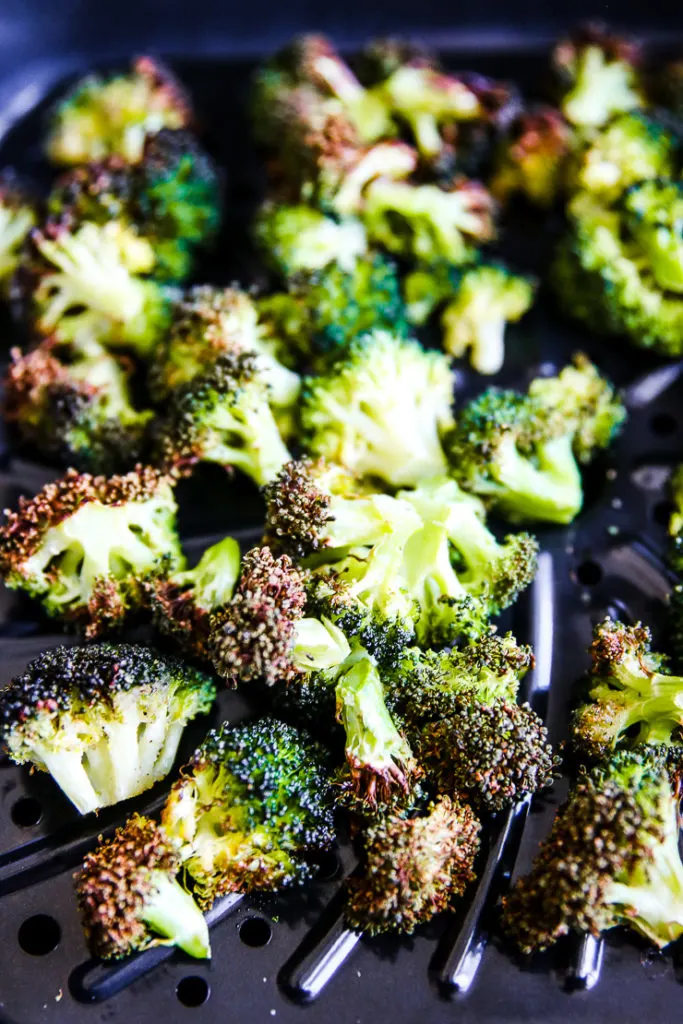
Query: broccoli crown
point(381, 410)
point(79, 414)
point(632, 699)
point(611, 858)
point(255, 634)
point(83, 544)
point(250, 806)
point(532, 158)
point(104, 720)
point(299, 238)
point(183, 604)
point(597, 75)
point(223, 416)
point(414, 867)
point(653, 214)
point(129, 899)
point(105, 116)
point(430, 223)
point(494, 752)
point(381, 57)
point(17, 218)
point(631, 148)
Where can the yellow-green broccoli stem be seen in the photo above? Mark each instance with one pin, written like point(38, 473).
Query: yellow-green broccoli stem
point(171, 913)
point(319, 645)
point(385, 160)
point(548, 490)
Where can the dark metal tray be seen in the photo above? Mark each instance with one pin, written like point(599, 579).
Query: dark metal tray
point(273, 954)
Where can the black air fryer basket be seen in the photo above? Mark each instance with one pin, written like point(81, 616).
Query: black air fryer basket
point(291, 959)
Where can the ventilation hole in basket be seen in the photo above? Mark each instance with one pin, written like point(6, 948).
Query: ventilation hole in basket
point(26, 812)
point(663, 424)
point(661, 513)
point(193, 991)
point(39, 935)
point(255, 932)
point(589, 573)
point(328, 866)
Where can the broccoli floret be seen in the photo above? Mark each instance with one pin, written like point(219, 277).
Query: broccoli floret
point(597, 76)
point(89, 282)
point(183, 603)
point(531, 160)
point(299, 238)
point(104, 720)
point(130, 899)
point(610, 859)
point(653, 214)
point(381, 410)
point(79, 413)
point(478, 303)
point(414, 867)
point(84, 544)
point(676, 521)
point(630, 149)
point(429, 223)
point(223, 416)
point(207, 322)
point(250, 808)
point(105, 116)
point(633, 699)
point(382, 56)
point(17, 218)
point(519, 452)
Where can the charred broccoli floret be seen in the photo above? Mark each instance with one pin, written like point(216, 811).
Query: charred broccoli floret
point(250, 807)
point(79, 413)
point(414, 867)
point(477, 304)
point(299, 238)
point(611, 858)
point(521, 453)
point(183, 603)
point(104, 720)
point(104, 116)
point(597, 76)
point(84, 545)
point(223, 416)
point(532, 158)
point(381, 410)
point(129, 897)
point(17, 218)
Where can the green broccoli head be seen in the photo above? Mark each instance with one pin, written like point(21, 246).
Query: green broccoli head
point(17, 218)
point(597, 76)
point(249, 809)
point(78, 413)
point(184, 603)
point(84, 545)
point(223, 416)
point(414, 867)
point(299, 238)
point(611, 858)
point(381, 410)
point(531, 160)
point(104, 720)
point(113, 116)
point(130, 899)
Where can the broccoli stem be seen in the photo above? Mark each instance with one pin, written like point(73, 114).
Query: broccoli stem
point(67, 769)
point(485, 339)
point(172, 913)
point(166, 758)
point(319, 645)
point(125, 779)
point(550, 491)
point(251, 442)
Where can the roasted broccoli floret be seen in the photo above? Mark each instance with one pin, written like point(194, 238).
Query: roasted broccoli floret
point(129, 897)
point(381, 410)
point(250, 808)
point(532, 158)
point(223, 416)
point(633, 699)
point(611, 858)
point(78, 413)
point(414, 867)
point(430, 223)
point(84, 545)
point(653, 216)
point(207, 322)
point(477, 304)
point(104, 720)
point(104, 116)
point(184, 602)
point(521, 453)
point(17, 217)
point(631, 148)
point(597, 76)
point(299, 238)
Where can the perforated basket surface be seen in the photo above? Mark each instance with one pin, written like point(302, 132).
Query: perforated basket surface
point(271, 955)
